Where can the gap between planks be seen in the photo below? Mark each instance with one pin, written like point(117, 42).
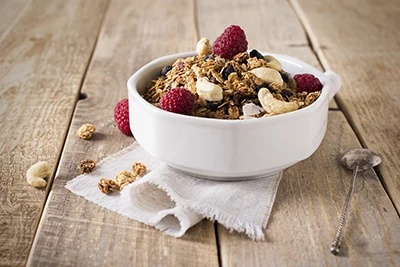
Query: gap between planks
point(313, 42)
point(218, 244)
point(62, 145)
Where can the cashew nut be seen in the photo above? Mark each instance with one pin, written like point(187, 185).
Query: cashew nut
point(268, 75)
point(209, 91)
point(275, 106)
point(203, 47)
point(37, 172)
point(273, 63)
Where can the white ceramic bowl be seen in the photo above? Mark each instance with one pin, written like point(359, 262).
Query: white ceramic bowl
point(229, 149)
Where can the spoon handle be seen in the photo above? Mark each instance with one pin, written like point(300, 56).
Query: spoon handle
point(336, 242)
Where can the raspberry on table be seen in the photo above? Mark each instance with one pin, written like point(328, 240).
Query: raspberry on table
point(231, 42)
point(178, 100)
point(121, 116)
point(307, 82)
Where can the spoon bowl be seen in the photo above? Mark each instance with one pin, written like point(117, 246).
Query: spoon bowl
point(361, 157)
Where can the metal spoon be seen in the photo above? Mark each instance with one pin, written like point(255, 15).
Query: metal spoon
point(355, 160)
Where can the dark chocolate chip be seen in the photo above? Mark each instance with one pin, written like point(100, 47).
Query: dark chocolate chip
point(228, 70)
point(165, 70)
point(255, 53)
point(212, 106)
point(285, 76)
point(286, 94)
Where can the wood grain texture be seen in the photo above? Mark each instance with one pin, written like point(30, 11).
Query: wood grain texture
point(307, 209)
point(10, 12)
point(76, 232)
point(360, 40)
point(42, 61)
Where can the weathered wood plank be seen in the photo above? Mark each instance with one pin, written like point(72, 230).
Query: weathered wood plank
point(75, 232)
point(42, 61)
point(10, 12)
point(307, 209)
point(361, 41)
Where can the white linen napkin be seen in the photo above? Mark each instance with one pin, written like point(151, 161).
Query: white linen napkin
point(173, 201)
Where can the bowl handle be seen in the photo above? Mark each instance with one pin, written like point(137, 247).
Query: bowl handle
point(336, 83)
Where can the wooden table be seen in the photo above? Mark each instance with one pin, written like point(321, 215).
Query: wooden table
point(64, 63)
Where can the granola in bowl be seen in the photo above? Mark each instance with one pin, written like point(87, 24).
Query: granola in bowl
point(240, 80)
point(228, 82)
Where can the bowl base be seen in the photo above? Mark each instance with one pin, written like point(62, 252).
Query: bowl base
point(230, 176)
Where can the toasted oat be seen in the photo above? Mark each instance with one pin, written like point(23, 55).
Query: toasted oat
point(233, 112)
point(311, 97)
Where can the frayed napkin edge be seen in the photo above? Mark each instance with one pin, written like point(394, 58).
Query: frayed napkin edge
point(252, 231)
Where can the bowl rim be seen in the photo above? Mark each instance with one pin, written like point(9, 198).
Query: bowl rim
point(132, 91)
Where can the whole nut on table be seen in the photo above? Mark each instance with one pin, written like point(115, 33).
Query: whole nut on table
point(36, 174)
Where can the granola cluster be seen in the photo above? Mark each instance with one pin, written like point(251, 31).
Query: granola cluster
point(139, 168)
point(240, 79)
point(106, 186)
point(86, 166)
point(122, 178)
point(86, 131)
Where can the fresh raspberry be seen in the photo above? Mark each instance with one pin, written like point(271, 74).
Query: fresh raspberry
point(231, 42)
point(178, 100)
point(307, 82)
point(121, 116)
